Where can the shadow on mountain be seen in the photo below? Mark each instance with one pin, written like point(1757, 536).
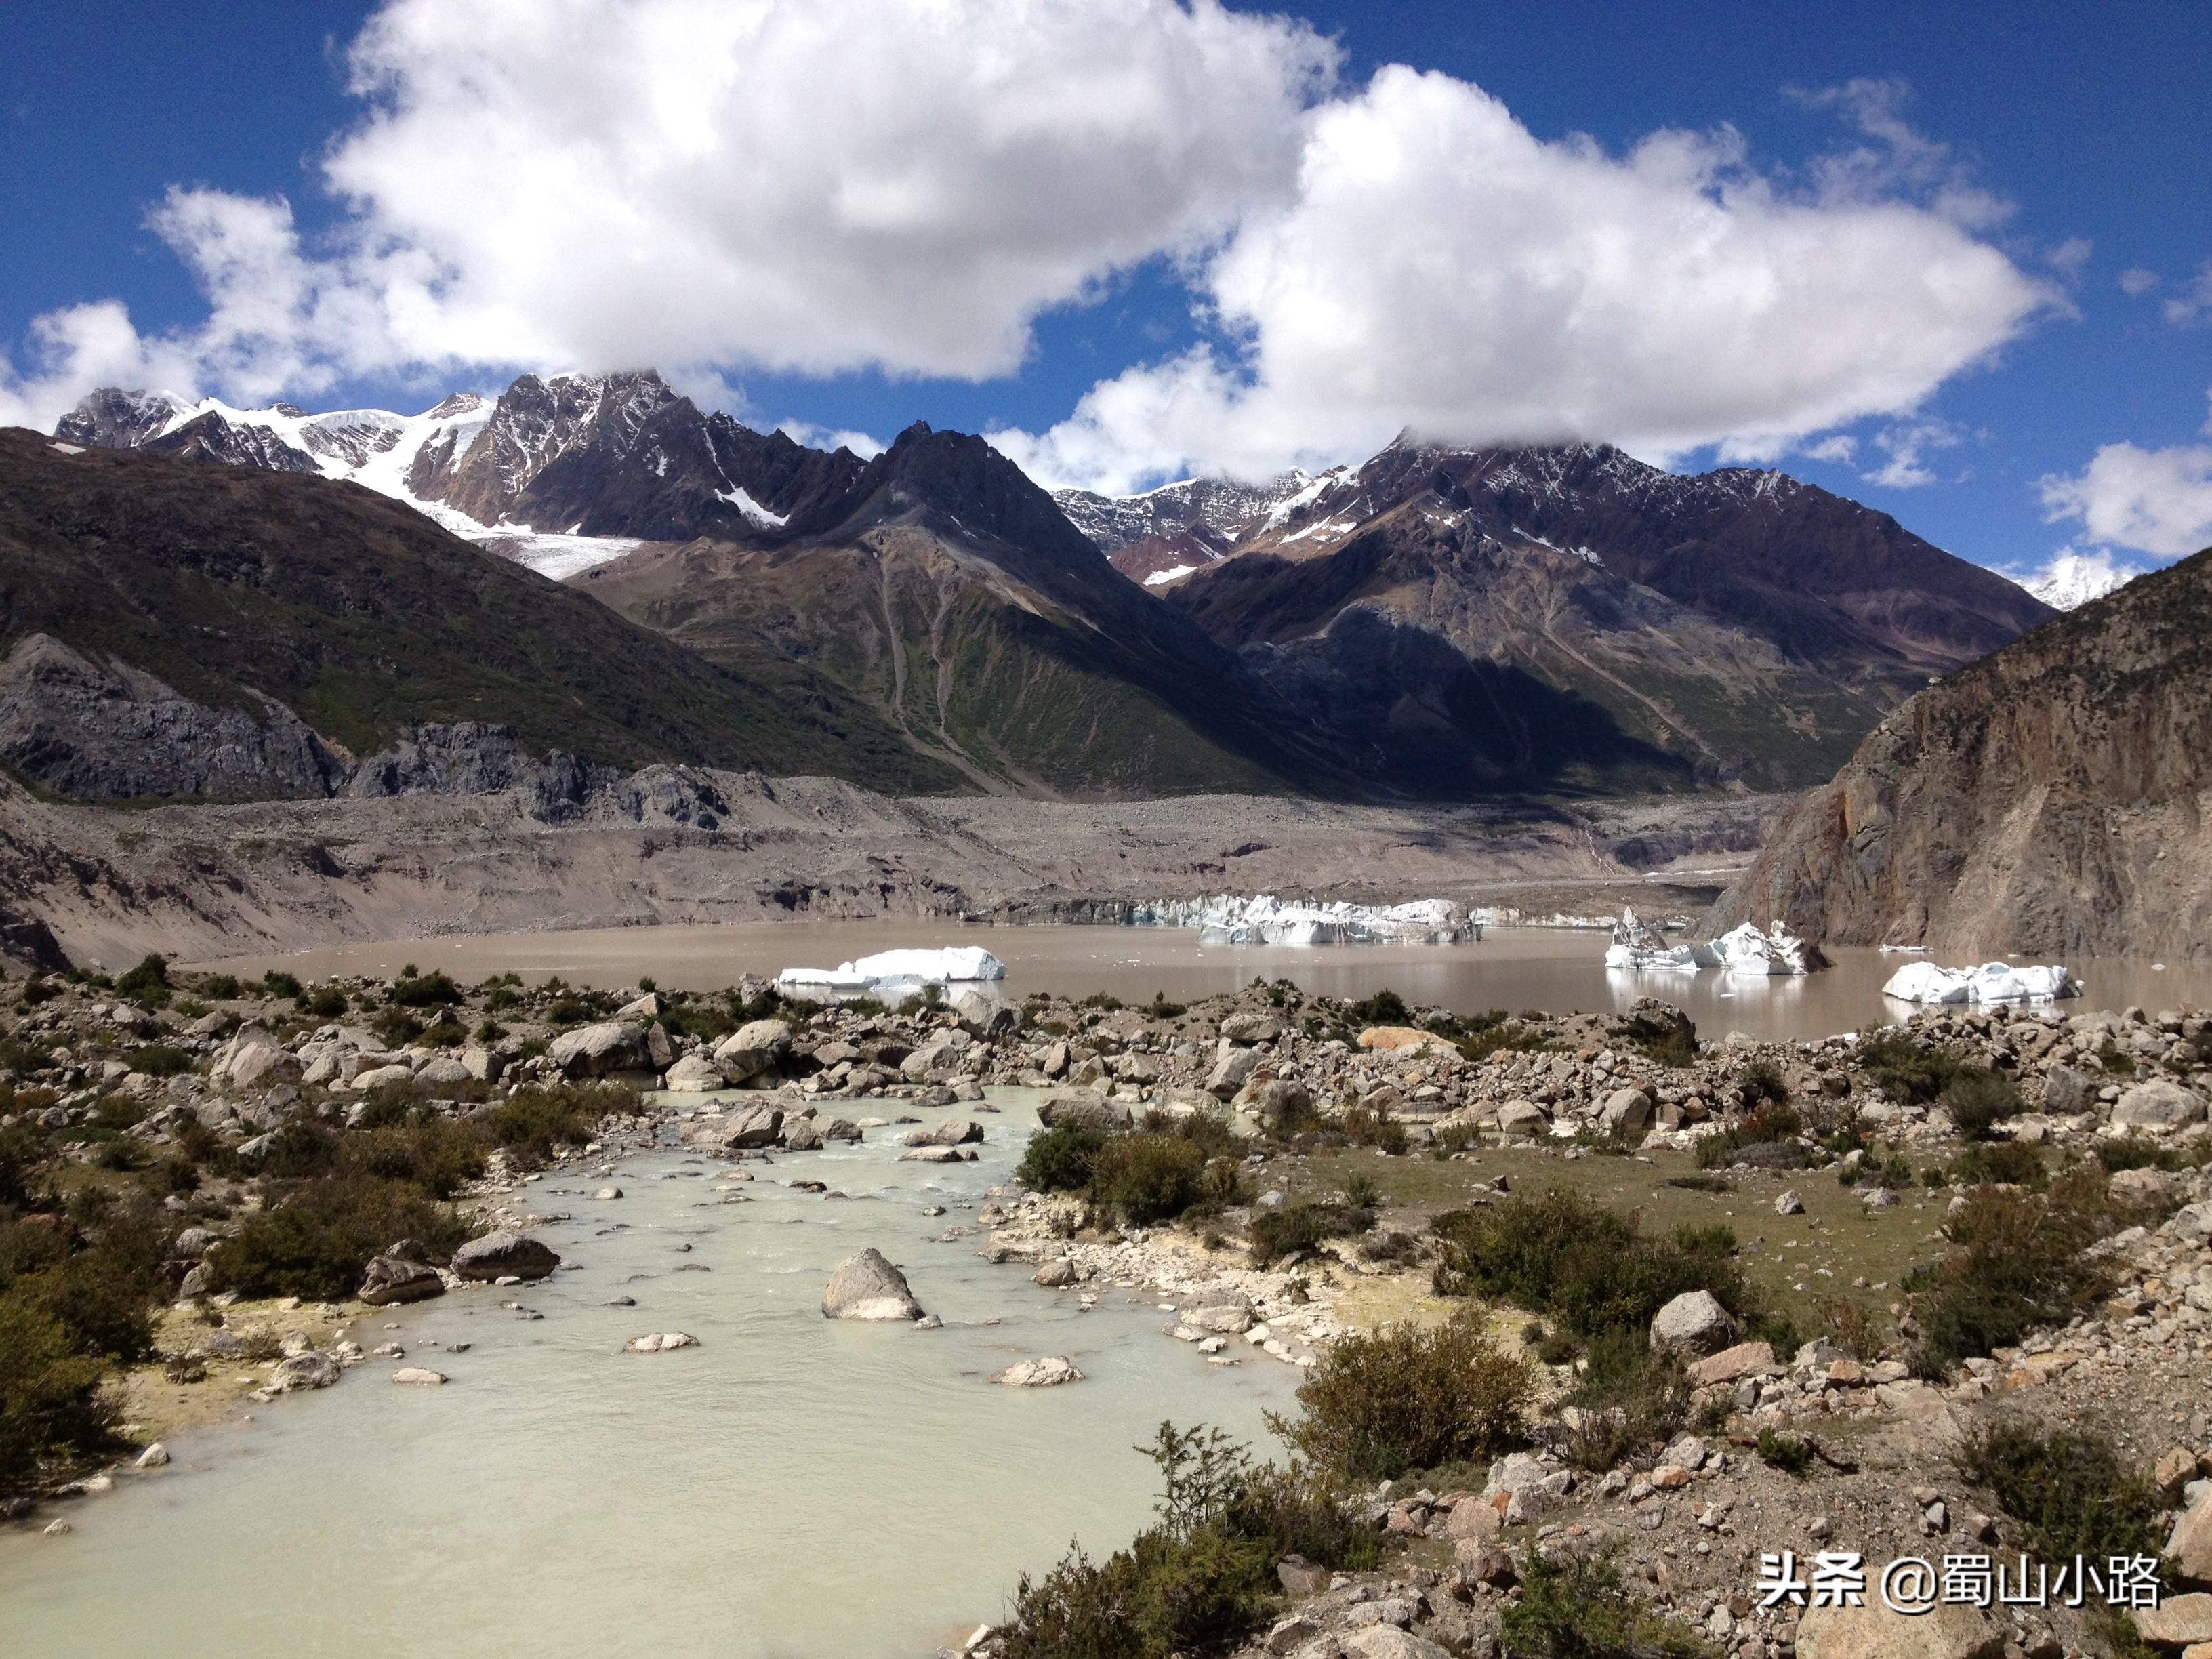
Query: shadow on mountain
point(1416, 715)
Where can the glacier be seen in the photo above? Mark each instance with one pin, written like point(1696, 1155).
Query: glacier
point(1746, 950)
point(1263, 919)
point(891, 975)
point(1993, 981)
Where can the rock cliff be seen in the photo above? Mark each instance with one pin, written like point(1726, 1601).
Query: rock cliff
point(2049, 799)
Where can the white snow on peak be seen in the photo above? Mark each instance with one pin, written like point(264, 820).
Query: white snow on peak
point(2073, 578)
point(1161, 577)
point(736, 496)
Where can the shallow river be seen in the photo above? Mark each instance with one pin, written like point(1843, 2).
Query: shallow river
point(1556, 969)
point(793, 1486)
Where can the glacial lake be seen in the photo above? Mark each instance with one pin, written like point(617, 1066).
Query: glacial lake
point(1559, 970)
point(793, 1486)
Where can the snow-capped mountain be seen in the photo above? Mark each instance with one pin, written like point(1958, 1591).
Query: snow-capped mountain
point(1221, 505)
point(2071, 579)
point(563, 473)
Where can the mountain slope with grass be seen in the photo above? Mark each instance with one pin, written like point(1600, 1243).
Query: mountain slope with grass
point(172, 627)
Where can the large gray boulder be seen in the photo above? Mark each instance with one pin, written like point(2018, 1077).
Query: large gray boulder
point(504, 1255)
point(754, 1127)
point(1231, 1071)
point(310, 1370)
point(1627, 1110)
point(955, 1131)
point(1693, 1323)
point(693, 1074)
point(261, 1066)
point(752, 1049)
point(2188, 1551)
point(1952, 1630)
point(1251, 1028)
point(388, 1279)
point(442, 1072)
point(1085, 1109)
point(2159, 1104)
point(2067, 1093)
point(867, 1286)
point(801, 1134)
point(1047, 1373)
point(597, 1050)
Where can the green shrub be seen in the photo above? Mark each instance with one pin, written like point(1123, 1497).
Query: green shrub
point(396, 1028)
point(531, 1121)
point(1588, 1266)
point(2068, 1490)
point(1671, 1043)
point(1629, 1398)
point(1404, 1397)
point(1202, 1576)
point(2016, 1262)
point(1761, 1084)
point(1902, 1068)
point(327, 1002)
point(160, 1059)
point(51, 1404)
point(1300, 1225)
point(315, 1240)
point(1384, 1008)
point(1361, 1193)
point(148, 982)
point(1365, 1128)
point(1573, 1607)
point(1790, 1453)
point(1771, 1122)
point(1979, 1100)
point(2140, 1152)
point(1147, 1176)
point(1998, 1163)
point(278, 983)
point(1059, 1159)
point(433, 1154)
point(426, 991)
point(223, 988)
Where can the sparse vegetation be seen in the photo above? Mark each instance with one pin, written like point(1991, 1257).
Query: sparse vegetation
point(2070, 1491)
point(1404, 1397)
point(2016, 1262)
point(1301, 1226)
point(1573, 1607)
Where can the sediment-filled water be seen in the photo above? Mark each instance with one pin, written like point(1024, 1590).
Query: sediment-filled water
point(794, 1486)
point(1556, 969)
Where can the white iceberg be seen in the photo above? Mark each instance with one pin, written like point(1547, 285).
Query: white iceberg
point(1993, 981)
point(891, 975)
point(1745, 949)
point(1229, 919)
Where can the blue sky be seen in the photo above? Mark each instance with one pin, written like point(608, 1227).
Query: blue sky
point(2086, 125)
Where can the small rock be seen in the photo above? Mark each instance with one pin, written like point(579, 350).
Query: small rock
point(1046, 1373)
point(417, 1377)
point(1789, 1203)
point(154, 1457)
point(662, 1343)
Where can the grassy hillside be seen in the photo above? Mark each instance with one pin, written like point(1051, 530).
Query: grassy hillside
point(363, 616)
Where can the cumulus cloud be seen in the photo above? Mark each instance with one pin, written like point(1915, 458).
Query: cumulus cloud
point(2155, 501)
point(1840, 447)
point(1907, 447)
point(1442, 268)
point(865, 444)
point(2194, 302)
point(2136, 281)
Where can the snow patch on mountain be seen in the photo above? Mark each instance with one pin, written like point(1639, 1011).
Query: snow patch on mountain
point(2074, 578)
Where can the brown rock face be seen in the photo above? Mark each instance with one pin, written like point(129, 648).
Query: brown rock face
point(2044, 800)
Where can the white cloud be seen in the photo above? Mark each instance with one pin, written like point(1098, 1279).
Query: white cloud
point(1840, 448)
point(1442, 268)
point(2137, 280)
point(1906, 446)
point(2194, 300)
point(2070, 255)
point(2155, 501)
point(867, 446)
point(799, 185)
point(2075, 575)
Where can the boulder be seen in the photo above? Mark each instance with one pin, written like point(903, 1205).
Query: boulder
point(1693, 1323)
point(801, 1134)
point(2179, 1621)
point(1388, 1642)
point(1251, 1028)
point(1952, 1630)
point(932, 1155)
point(2067, 1093)
point(1521, 1117)
point(842, 1128)
point(867, 1286)
point(754, 1127)
point(2188, 1551)
point(2142, 1187)
point(693, 1074)
point(599, 1050)
point(645, 1007)
point(1474, 1517)
point(1627, 1110)
point(484, 1063)
point(1056, 1274)
point(1403, 1041)
point(2159, 1104)
point(1231, 1070)
point(504, 1255)
point(443, 1073)
point(1083, 1107)
point(375, 1077)
point(663, 1343)
point(261, 1066)
point(418, 1376)
point(752, 1049)
point(1730, 1364)
point(957, 1132)
point(1046, 1373)
point(310, 1370)
point(1789, 1203)
point(388, 1279)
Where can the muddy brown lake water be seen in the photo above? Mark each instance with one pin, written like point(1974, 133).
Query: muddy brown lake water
point(1559, 970)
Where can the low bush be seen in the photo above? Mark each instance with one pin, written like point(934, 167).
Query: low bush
point(1059, 1159)
point(1360, 1191)
point(278, 983)
point(1671, 1043)
point(1301, 1226)
point(1790, 1453)
point(223, 988)
point(1147, 1176)
point(1573, 1607)
point(1588, 1267)
point(1629, 1398)
point(159, 1059)
point(327, 1002)
point(1405, 1397)
point(426, 991)
point(1902, 1068)
point(1997, 1163)
point(396, 1028)
point(1848, 1325)
point(1979, 1100)
point(2138, 1151)
point(1771, 1123)
point(2017, 1262)
point(51, 1404)
point(148, 982)
point(1203, 1575)
point(1365, 1128)
point(314, 1240)
point(531, 1121)
point(1384, 1008)
point(1761, 1084)
point(2068, 1490)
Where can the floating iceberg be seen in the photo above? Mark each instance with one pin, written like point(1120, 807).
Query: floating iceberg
point(1228, 919)
point(1993, 981)
point(891, 975)
point(1744, 950)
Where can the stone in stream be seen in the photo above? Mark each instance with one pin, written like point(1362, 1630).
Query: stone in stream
point(752, 1049)
point(955, 1131)
point(606, 1193)
point(418, 1376)
point(867, 1286)
point(153, 1458)
point(932, 1155)
point(1083, 1109)
point(504, 1255)
point(753, 1128)
point(389, 1278)
point(598, 1049)
point(801, 1134)
point(1046, 1373)
point(310, 1370)
point(662, 1343)
point(693, 1074)
point(1056, 1274)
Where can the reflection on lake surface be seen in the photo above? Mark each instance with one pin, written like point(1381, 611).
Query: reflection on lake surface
point(1558, 970)
point(793, 1486)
